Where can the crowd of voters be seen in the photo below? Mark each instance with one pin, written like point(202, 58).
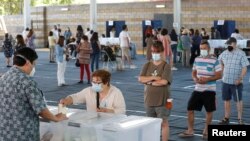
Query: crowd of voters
point(22, 102)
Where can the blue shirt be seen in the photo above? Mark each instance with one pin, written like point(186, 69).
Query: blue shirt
point(233, 63)
point(59, 53)
point(21, 103)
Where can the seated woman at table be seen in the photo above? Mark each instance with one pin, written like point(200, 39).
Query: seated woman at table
point(110, 99)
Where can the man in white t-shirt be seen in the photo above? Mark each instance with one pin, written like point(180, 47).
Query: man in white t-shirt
point(25, 33)
point(124, 44)
point(55, 32)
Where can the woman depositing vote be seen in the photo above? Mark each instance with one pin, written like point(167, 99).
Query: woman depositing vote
point(110, 98)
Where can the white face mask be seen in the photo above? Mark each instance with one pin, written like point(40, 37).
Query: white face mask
point(97, 87)
point(204, 53)
point(156, 56)
point(32, 73)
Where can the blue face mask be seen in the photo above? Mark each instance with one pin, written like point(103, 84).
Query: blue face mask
point(96, 87)
point(156, 56)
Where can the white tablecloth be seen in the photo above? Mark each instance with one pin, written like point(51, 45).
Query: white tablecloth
point(109, 41)
point(221, 43)
point(88, 126)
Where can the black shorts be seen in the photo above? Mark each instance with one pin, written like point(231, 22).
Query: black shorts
point(198, 99)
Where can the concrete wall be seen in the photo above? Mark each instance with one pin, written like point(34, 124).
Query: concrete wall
point(195, 14)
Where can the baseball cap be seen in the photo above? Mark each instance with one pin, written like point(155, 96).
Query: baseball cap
point(231, 40)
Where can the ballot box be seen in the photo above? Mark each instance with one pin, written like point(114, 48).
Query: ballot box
point(91, 126)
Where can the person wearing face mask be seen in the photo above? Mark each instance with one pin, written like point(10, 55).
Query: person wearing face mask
point(206, 70)
point(22, 101)
point(157, 77)
point(110, 98)
point(234, 63)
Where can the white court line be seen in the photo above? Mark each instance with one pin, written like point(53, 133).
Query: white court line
point(189, 87)
point(115, 82)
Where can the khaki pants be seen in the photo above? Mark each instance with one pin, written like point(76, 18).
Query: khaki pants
point(51, 53)
point(186, 57)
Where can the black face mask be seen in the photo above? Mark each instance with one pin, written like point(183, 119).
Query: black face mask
point(230, 48)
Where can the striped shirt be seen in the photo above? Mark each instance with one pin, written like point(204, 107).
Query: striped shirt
point(233, 63)
point(206, 67)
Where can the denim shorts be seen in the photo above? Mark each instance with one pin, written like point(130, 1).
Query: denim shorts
point(158, 111)
point(229, 90)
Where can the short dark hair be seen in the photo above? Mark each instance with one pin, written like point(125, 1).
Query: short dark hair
point(104, 75)
point(24, 54)
point(164, 31)
point(6, 35)
point(124, 27)
point(85, 38)
point(158, 46)
point(236, 30)
point(61, 40)
point(205, 42)
point(50, 33)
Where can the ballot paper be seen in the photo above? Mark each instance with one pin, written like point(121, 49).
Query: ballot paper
point(62, 109)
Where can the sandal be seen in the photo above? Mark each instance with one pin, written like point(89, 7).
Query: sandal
point(204, 136)
point(185, 135)
point(224, 121)
point(240, 122)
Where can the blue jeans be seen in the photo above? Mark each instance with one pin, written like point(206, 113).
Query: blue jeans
point(174, 50)
point(95, 60)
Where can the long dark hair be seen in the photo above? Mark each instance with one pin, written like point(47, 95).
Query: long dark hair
point(60, 41)
point(94, 37)
point(20, 40)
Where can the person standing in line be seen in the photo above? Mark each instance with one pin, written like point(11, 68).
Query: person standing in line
point(215, 34)
point(166, 41)
point(84, 50)
point(195, 50)
point(186, 44)
point(234, 63)
point(149, 43)
point(8, 50)
point(25, 33)
point(55, 32)
point(30, 41)
point(96, 47)
point(124, 44)
point(174, 40)
point(22, 102)
point(61, 61)
point(206, 70)
point(79, 35)
point(157, 77)
point(67, 35)
point(52, 43)
point(19, 42)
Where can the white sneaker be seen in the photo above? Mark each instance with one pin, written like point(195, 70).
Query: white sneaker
point(133, 67)
point(174, 68)
point(73, 58)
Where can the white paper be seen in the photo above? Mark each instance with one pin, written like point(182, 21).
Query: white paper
point(220, 22)
point(62, 109)
point(111, 23)
point(147, 22)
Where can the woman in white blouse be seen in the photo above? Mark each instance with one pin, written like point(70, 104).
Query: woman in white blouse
point(110, 98)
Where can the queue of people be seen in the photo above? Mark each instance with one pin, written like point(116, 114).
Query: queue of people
point(156, 75)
